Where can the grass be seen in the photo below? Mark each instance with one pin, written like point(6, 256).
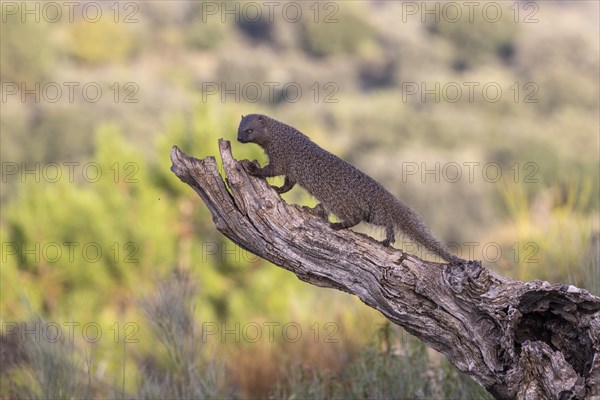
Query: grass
point(179, 367)
point(184, 373)
point(45, 369)
point(389, 368)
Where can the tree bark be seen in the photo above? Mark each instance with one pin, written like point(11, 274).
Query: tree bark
point(524, 340)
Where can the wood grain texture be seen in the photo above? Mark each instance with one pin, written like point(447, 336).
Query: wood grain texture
point(525, 340)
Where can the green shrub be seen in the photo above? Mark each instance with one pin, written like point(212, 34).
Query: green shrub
point(479, 37)
point(345, 35)
point(170, 313)
point(205, 34)
point(102, 42)
point(44, 369)
point(28, 51)
point(389, 368)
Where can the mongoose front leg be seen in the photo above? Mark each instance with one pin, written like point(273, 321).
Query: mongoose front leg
point(266, 172)
point(254, 169)
point(287, 185)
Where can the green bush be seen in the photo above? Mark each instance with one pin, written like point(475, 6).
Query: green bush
point(343, 35)
point(389, 368)
point(207, 34)
point(45, 369)
point(28, 51)
point(186, 374)
point(481, 37)
point(102, 42)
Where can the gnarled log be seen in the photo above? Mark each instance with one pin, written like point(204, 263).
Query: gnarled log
point(526, 340)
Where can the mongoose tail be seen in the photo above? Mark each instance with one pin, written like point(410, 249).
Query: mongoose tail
point(409, 223)
point(342, 189)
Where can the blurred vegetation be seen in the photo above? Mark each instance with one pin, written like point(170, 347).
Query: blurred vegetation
point(101, 42)
point(393, 366)
point(29, 53)
point(175, 73)
point(479, 39)
point(340, 33)
point(170, 312)
point(47, 370)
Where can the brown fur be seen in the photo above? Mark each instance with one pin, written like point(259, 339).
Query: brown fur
point(341, 188)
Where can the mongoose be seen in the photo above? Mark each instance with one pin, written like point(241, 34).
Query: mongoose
point(341, 188)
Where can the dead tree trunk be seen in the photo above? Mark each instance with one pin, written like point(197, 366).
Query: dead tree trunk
point(525, 340)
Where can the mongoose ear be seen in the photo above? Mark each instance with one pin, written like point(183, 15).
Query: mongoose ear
point(242, 116)
point(261, 120)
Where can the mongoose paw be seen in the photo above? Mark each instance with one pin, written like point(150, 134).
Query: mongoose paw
point(280, 190)
point(317, 210)
point(473, 264)
point(336, 226)
point(250, 166)
point(402, 258)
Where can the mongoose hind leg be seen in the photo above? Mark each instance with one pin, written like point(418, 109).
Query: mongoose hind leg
point(318, 210)
point(287, 185)
point(390, 237)
point(348, 223)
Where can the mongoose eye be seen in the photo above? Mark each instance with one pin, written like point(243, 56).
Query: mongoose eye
point(249, 130)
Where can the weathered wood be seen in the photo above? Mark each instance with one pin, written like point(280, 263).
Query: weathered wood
point(525, 340)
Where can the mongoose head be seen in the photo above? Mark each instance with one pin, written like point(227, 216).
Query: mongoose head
point(253, 128)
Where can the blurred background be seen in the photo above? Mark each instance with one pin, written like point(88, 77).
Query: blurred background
point(115, 283)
